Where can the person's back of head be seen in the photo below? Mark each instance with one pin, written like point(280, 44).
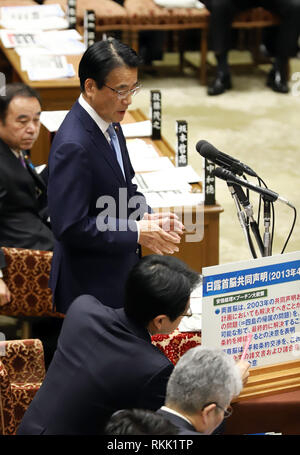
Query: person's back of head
point(138, 422)
point(158, 285)
point(103, 57)
point(203, 377)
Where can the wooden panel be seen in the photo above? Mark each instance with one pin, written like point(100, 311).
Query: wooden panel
point(273, 379)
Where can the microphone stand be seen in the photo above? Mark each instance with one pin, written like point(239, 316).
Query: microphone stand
point(267, 234)
point(236, 191)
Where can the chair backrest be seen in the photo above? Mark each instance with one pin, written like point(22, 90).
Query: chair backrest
point(7, 412)
point(24, 360)
point(26, 275)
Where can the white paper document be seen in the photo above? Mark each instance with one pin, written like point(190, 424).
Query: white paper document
point(37, 17)
point(138, 129)
point(52, 119)
point(173, 178)
point(194, 322)
point(11, 38)
point(46, 67)
point(175, 198)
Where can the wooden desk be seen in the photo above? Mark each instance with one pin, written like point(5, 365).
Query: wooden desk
point(56, 94)
point(196, 254)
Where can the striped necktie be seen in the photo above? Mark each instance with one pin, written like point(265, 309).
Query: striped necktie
point(114, 142)
point(21, 158)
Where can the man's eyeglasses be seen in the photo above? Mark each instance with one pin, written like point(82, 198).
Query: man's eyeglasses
point(123, 94)
point(227, 412)
point(188, 313)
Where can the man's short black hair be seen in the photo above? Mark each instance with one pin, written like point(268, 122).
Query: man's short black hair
point(12, 91)
point(103, 57)
point(137, 422)
point(158, 285)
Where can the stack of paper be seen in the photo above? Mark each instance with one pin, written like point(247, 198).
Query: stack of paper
point(194, 322)
point(52, 119)
point(144, 157)
point(175, 198)
point(137, 129)
point(44, 67)
point(37, 17)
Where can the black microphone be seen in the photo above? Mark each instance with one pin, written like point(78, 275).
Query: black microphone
point(221, 159)
point(270, 195)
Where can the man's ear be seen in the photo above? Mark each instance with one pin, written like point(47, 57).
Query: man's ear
point(206, 412)
point(157, 324)
point(89, 87)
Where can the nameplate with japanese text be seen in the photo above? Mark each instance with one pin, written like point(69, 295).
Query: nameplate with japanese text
point(156, 114)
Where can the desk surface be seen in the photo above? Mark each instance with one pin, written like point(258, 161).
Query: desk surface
point(14, 60)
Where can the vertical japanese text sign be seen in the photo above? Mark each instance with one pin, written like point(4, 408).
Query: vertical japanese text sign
point(260, 296)
point(156, 114)
point(182, 143)
point(89, 24)
point(209, 183)
point(71, 13)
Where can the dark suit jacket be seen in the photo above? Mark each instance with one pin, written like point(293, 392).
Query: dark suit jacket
point(22, 214)
point(183, 426)
point(82, 169)
point(104, 362)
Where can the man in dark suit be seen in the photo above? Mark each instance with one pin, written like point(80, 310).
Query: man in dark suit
point(105, 359)
point(23, 193)
point(201, 388)
point(285, 45)
point(22, 190)
point(98, 218)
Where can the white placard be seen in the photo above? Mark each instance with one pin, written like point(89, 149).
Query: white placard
point(260, 296)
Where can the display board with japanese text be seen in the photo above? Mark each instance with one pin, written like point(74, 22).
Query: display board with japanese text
point(260, 296)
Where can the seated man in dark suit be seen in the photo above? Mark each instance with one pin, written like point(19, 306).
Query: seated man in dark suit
point(23, 192)
point(105, 360)
point(201, 388)
point(139, 421)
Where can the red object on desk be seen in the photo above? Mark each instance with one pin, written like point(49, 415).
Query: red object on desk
point(177, 343)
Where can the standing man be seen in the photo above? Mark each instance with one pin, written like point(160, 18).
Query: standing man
point(93, 203)
point(23, 211)
point(285, 45)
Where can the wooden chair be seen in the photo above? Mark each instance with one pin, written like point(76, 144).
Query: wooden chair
point(22, 371)
point(255, 19)
point(26, 275)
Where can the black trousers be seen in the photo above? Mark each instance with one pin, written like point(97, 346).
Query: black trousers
point(286, 37)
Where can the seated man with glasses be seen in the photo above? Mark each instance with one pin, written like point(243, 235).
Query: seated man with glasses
point(201, 388)
point(99, 219)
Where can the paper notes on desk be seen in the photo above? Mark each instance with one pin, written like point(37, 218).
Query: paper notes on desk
point(163, 184)
point(37, 17)
point(194, 322)
point(46, 67)
point(52, 119)
point(137, 129)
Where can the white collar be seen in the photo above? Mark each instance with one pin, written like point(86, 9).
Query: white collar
point(171, 411)
point(103, 125)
